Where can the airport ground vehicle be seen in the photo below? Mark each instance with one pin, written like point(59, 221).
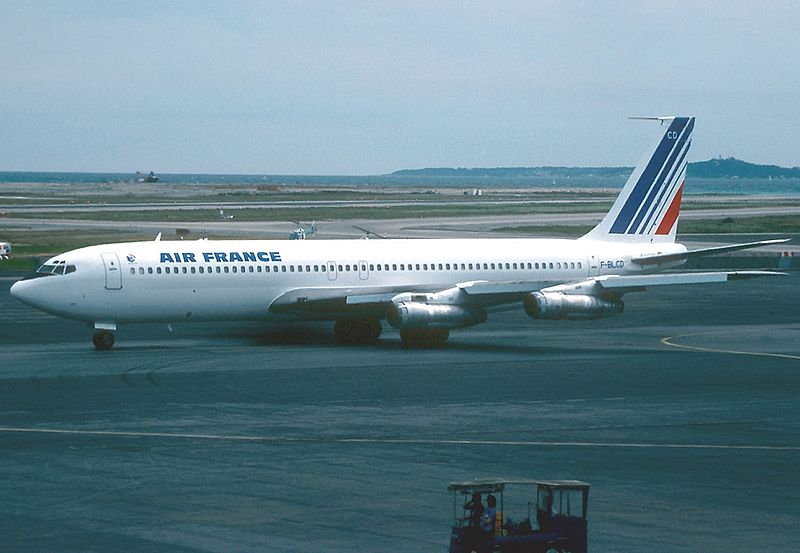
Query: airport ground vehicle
point(551, 516)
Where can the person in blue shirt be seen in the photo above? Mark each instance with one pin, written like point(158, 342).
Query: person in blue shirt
point(489, 515)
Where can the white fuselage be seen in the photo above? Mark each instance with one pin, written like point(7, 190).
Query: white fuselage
point(173, 281)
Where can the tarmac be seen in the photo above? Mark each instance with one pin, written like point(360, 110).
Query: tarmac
point(683, 413)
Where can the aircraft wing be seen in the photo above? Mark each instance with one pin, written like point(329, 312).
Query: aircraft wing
point(604, 285)
point(629, 283)
point(343, 300)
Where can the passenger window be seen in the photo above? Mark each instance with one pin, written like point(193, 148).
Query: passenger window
point(291, 268)
point(227, 269)
point(341, 268)
point(308, 268)
point(536, 265)
point(579, 264)
point(572, 265)
point(235, 269)
point(394, 266)
point(218, 269)
point(492, 265)
point(299, 268)
point(447, 266)
point(558, 265)
point(417, 266)
point(141, 270)
point(440, 266)
point(133, 271)
point(508, 265)
point(158, 270)
point(194, 270)
point(283, 268)
point(385, 266)
point(551, 265)
point(424, 266)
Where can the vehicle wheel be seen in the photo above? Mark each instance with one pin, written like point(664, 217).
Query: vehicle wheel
point(423, 338)
point(103, 339)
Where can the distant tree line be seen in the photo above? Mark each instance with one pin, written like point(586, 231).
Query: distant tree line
point(713, 168)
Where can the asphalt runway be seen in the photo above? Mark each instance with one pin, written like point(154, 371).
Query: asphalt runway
point(683, 414)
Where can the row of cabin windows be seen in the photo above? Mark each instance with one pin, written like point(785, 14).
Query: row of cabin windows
point(347, 268)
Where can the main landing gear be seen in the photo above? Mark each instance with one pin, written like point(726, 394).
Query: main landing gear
point(358, 331)
point(103, 339)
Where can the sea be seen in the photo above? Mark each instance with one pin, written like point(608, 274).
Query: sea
point(698, 186)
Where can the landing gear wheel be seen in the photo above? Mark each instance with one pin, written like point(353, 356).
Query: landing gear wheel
point(423, 338)
point(357, 331)
point(103, 339)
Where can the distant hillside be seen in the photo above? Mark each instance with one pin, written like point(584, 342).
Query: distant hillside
point(736, 168)
point(711, 169)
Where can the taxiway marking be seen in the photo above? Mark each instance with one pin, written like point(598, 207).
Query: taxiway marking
point(399, 441)
point(668, 341)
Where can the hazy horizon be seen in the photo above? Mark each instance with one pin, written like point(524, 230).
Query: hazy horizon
point(351, 88)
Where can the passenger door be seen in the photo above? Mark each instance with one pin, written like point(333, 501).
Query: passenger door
point(113, 272)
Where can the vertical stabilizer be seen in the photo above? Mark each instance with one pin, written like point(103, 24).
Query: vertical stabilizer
point(647, 208)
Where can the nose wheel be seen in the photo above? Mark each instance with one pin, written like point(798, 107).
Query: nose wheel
point(103, 339)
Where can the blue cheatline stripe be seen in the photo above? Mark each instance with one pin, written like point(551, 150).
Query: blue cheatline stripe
point(628, 211)
point(660, 205)
point(658, 185)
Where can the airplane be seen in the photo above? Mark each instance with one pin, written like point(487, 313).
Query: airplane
point(424, 288)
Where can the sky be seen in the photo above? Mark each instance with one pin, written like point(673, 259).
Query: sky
point(359, 88)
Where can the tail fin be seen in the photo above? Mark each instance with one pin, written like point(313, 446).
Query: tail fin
point(647, 208)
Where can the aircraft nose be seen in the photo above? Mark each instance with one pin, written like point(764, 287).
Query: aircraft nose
point(18, 290)
point(23, 291)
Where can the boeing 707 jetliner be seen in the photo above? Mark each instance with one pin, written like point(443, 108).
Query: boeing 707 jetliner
point(424, 288)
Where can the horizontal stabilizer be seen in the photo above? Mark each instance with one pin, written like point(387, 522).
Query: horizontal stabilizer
point(668, 257)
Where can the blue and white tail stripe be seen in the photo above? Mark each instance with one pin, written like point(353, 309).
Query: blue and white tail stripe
point(648, 206)
point(652, 179)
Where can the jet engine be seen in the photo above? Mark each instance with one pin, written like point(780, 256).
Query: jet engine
point(422, 315)
point(555, 305)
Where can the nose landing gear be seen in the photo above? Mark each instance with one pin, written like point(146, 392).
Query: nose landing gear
point(103, 339)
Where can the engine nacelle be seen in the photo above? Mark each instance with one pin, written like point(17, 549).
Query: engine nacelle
point(423, 315)
point(555, 305)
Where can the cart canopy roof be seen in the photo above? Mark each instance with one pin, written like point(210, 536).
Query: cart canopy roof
point(494, 485)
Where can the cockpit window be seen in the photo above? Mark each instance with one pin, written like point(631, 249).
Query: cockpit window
point(55, 268)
